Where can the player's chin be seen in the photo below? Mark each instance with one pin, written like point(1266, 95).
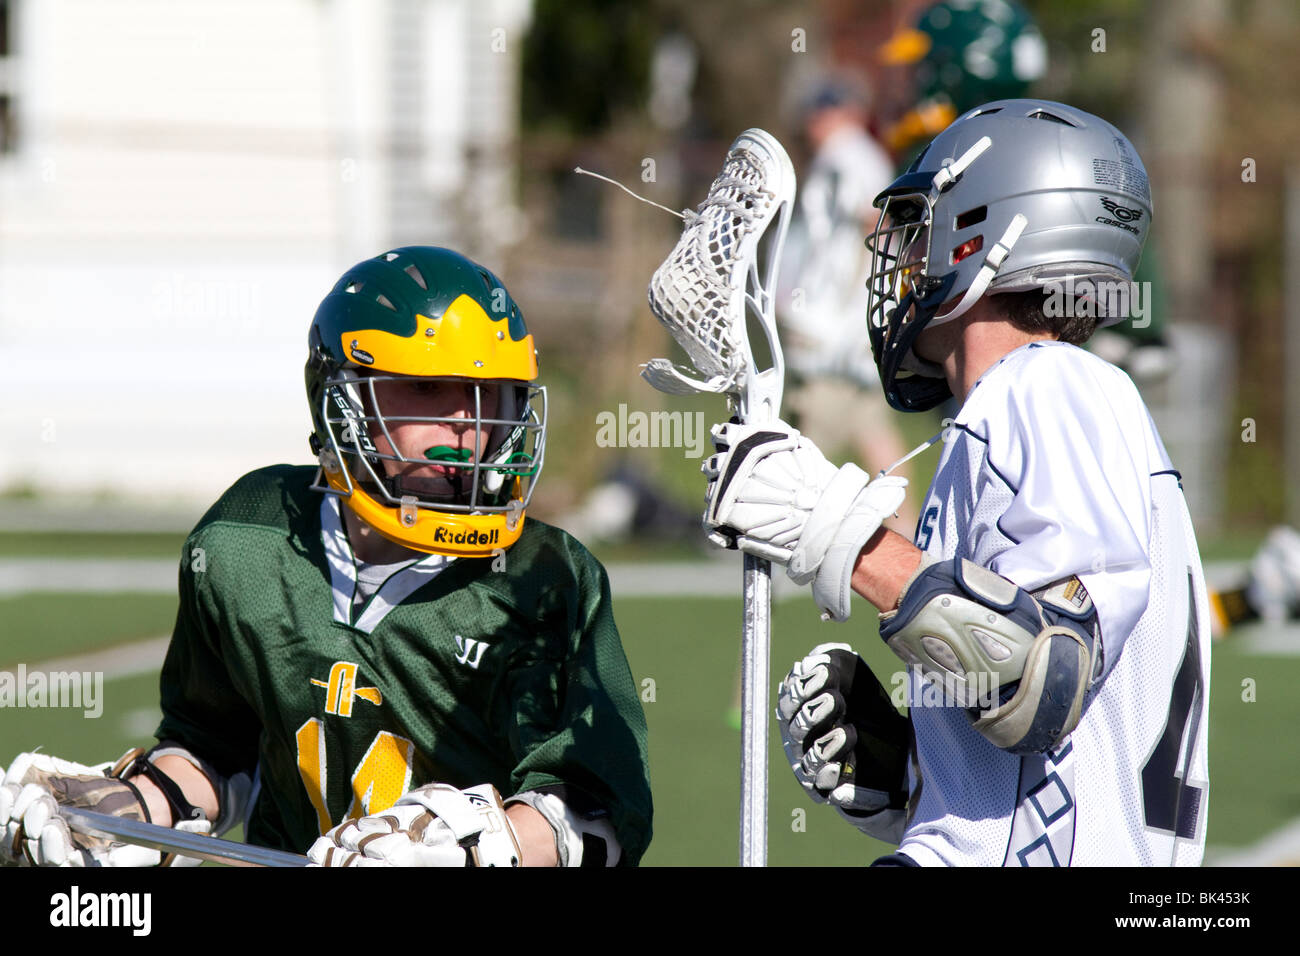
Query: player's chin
point(436, 482)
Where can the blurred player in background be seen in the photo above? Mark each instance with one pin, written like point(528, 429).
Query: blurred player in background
point(369, 654)
point(1270, 591)
point(823, 298)
point(1052, 609)
point(957, 55)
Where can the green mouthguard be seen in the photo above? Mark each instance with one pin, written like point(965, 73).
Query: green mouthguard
point(447, 453)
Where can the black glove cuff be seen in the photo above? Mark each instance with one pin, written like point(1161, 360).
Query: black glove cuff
point(139, 797)
point(181, 808)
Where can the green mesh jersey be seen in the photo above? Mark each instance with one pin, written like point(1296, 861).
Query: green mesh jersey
point(455, 671)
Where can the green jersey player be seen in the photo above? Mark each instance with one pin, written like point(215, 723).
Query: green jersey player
point(368, 654)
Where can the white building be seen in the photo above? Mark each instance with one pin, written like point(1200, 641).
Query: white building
point(181, 183)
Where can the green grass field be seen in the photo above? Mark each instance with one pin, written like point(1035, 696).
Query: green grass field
point(684, 653)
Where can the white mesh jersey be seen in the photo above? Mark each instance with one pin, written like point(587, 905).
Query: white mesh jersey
point(1053, 468)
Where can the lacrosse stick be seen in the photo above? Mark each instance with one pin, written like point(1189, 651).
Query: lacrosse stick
point(167, 840)
point(702, 293)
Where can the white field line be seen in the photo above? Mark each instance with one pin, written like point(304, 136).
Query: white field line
point(123, 660)
point(720, 577)
point(1279, 848)
point(87, 575)
point(109, 518)
point(1264, 640)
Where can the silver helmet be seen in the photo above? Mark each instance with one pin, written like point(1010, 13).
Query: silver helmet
point(1015, 195)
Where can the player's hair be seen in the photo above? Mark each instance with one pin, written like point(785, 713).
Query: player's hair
point(1026, 311)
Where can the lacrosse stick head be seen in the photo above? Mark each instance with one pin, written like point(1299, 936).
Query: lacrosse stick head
point(711, 281)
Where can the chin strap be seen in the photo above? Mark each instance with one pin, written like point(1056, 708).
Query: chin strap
point(944, 178)
point(992, 263)
point(947, 175)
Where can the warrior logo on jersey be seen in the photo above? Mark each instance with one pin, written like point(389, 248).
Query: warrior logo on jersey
point(341, 689)
point(471, 651)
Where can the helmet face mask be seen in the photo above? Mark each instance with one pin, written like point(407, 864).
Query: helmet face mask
point(1016, 195)
point(428, 421)
point(904, 295)
point(487, 459)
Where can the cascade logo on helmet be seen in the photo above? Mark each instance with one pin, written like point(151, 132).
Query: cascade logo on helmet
point(1121, 225)
point(391, 324)
point(1121, 212)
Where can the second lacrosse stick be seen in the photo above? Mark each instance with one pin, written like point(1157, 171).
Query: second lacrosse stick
point(704, 293)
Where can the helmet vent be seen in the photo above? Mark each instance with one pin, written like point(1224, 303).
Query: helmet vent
point(1050, 117)
point(389, 256)
point(967, 248)
point(384, 301)
point(971, 217)
point(353, 286)
point(414, 273)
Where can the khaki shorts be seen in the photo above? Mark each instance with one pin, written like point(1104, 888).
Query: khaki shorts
point(837, 414)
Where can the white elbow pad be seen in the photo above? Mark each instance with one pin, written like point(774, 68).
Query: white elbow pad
point(1020, 663)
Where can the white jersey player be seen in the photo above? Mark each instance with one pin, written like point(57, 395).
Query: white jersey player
point(1017, 492)
point(1052, 608)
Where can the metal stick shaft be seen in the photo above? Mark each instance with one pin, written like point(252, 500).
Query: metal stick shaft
point(176, 841)
point(755, 669)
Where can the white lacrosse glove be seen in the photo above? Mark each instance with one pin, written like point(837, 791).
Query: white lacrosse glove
point(1274, 586)
point(773, 494)
point(32, 833)
point(845, 742)
point(434, 825)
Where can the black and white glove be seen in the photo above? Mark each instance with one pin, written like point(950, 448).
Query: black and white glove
point(773, 494)
point(433, 825)
point(32, 832)
point(845, 742)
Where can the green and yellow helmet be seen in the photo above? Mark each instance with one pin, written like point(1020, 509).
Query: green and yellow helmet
point(428, 313)
point(963, 53)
